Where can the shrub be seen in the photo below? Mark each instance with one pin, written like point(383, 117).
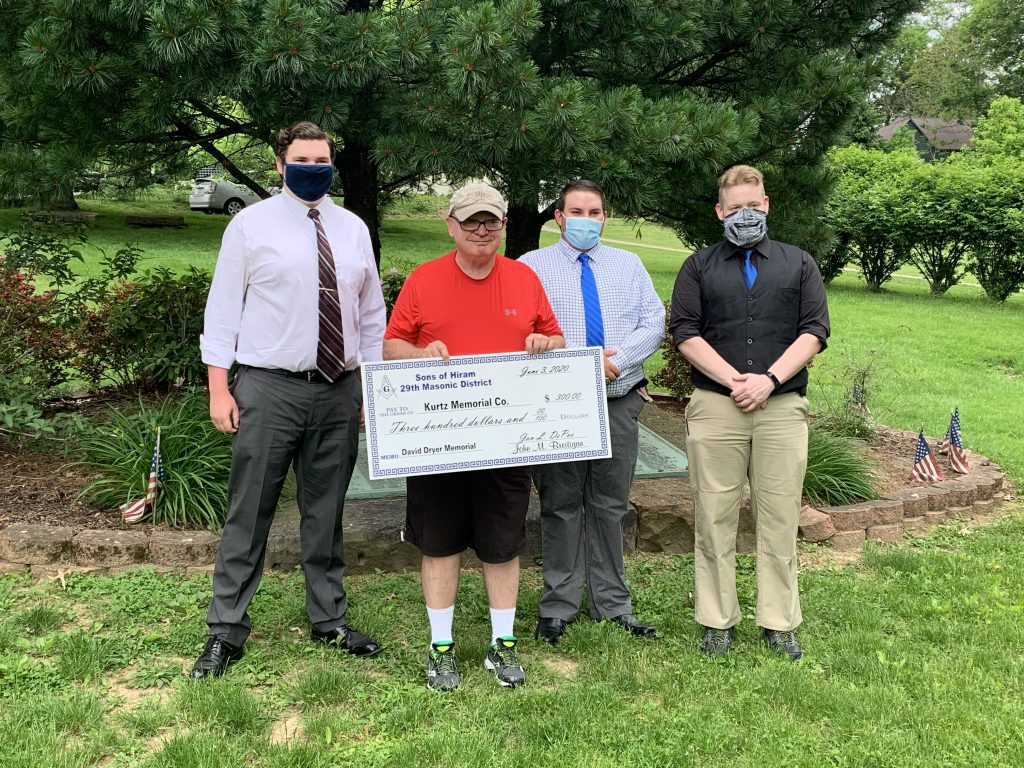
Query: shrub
point(145, 334)
point(866, 206)
point(998, 261)
point(391, 282)
point(196, 459)
point(838, 472)
point(675, 371)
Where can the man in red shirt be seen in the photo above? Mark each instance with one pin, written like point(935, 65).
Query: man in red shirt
point(471, 301)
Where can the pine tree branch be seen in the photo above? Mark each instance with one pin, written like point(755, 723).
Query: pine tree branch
point(211, 149)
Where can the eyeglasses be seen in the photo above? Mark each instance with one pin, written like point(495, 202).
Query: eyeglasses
point(472, 225)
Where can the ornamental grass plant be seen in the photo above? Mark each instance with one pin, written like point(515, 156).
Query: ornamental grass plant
point(195, 455)
point(838, 472)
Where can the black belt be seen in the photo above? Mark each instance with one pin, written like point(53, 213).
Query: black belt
point(310, 376)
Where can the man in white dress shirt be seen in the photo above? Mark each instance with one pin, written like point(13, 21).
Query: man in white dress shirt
point(296, 302)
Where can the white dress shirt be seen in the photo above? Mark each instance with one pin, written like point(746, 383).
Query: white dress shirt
point(263, 307)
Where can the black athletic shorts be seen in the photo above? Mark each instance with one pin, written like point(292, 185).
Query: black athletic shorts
point(484, 510)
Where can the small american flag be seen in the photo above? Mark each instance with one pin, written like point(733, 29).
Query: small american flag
point(957, 454)
point(134, 511)
point(925, 468)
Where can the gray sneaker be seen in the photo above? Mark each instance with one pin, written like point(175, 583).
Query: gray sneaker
point(783, 642)
point(716, 642)
point(442, 674)
point(503, 661)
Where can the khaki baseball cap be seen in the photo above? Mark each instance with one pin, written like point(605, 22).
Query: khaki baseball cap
point(474, 198)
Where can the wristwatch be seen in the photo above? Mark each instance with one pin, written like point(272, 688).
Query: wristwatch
point(774, 378)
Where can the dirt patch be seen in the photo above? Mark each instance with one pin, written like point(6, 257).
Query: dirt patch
point(562, 666)
point(40, 487)
point(287, 728)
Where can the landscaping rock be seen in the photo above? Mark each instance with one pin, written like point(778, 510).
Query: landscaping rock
point(847, 539)
point(183, 547)
point(36, 544)
point(110, 547)
point(885, 512)
point(981, 506)
point(664, 515)
point(932, 518)
point(960, 511)
point(7, 568)
point(954, 493)
point(915, 500)
point(853, 517)
point(885, 533)
point(815, 525)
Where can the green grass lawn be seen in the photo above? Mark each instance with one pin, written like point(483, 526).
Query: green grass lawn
point(912, 660)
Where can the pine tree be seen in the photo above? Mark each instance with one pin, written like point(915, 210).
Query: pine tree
point(650, 99)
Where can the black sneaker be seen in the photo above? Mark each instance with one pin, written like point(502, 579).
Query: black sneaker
point(503, 660)
point(783, 642)
point(716, 642)
point(442, 674)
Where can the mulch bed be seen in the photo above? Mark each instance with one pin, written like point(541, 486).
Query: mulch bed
point(40, 487)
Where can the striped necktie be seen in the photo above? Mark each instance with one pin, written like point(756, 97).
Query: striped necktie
point(591, 304)
point(330, 347)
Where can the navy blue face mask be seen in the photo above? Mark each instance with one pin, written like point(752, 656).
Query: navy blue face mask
point(308, 181)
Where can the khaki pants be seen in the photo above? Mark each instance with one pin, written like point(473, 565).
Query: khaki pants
point(726, 448)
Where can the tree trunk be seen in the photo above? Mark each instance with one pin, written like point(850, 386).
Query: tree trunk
point(360, 180)
point(63, 200)
point(523, 231)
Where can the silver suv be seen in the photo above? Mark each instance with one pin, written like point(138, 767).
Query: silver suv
point(220, 195)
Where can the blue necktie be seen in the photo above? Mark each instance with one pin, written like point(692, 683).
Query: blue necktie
point(749, 270)
point(591, 304)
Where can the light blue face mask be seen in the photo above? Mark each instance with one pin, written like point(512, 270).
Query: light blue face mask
point(583, 232)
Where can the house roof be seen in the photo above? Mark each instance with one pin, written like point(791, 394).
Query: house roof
point(941, 134)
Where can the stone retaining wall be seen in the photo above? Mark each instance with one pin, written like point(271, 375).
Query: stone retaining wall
point(663, 522)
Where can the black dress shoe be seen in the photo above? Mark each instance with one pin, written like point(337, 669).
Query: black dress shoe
point(629, 622)
point(549, 630)
point(348, 639)
point(783, 642)
point(216, 657)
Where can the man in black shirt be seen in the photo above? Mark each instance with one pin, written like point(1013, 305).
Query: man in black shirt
point(748, 314)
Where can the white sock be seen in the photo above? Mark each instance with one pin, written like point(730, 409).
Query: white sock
point(441, 623)
point(502, 620)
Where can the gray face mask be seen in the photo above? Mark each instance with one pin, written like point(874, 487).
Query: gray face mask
point(745, 227)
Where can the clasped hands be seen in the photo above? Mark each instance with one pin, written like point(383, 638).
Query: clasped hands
point(750, 391)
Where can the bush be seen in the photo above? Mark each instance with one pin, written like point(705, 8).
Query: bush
point(866, 207)
point(998, 262)
point(838, 472)
point(145, 334)
point(196, 458)
point(675, 371)
point(391, 282)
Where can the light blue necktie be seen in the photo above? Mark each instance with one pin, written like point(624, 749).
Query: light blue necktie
point(749, 270)
point(591, 304)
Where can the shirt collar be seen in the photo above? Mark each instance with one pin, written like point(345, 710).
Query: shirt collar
point(762, 247)
point(572, 253)
point(298, 208)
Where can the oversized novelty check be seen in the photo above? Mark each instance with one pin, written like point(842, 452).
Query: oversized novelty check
point(483, 411)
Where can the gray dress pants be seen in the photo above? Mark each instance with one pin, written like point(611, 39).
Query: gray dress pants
point(582, 506)
point(283, 422)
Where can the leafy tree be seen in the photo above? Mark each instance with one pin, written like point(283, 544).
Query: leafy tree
point(998, 134)
point(867, 207)
point(996, 31)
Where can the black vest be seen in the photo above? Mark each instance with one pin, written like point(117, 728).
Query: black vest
point(751, 329)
